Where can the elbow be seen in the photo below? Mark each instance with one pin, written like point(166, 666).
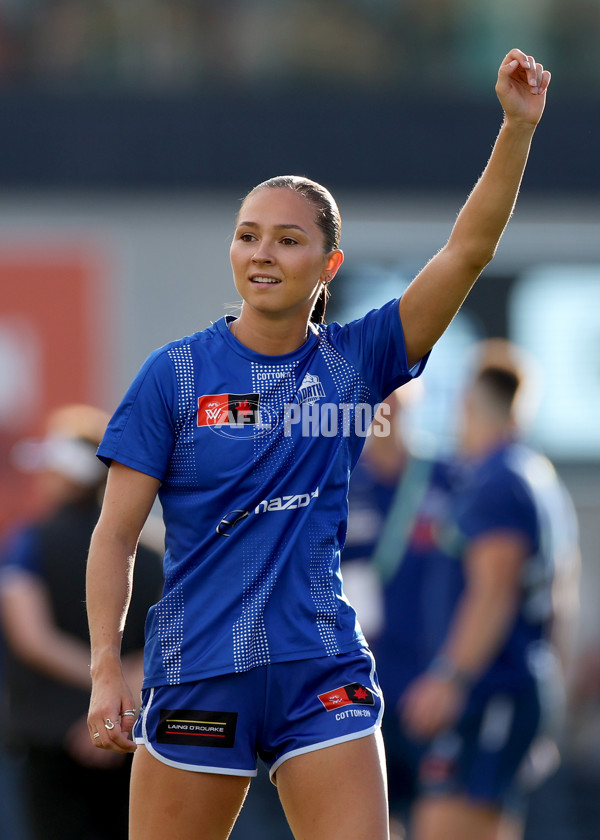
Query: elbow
point(486, 258)
point(473, 255)
point(477, 259)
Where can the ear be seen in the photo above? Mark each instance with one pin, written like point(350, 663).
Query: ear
point(334, 261)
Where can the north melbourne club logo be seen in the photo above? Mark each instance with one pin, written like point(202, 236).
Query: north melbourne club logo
point(347, 695)
point(311, 390)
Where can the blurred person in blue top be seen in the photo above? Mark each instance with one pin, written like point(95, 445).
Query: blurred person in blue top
point(399, 495)
point(247, 431)
point(46, 643)
point(485, 709)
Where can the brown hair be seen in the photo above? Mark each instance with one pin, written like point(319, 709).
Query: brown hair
point(500, 386)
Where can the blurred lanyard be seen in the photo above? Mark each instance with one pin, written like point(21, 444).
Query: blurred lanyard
point(400, 520)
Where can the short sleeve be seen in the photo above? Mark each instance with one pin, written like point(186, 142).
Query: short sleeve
point(501, 503)
point(375, 344)
point(141, 433)
point(20, 552)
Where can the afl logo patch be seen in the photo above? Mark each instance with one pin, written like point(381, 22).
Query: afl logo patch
point(228, 409)
point(347, 695)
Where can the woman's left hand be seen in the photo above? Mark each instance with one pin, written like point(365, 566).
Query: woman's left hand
point(521, 87)
point(83, 750)
point(111, 714)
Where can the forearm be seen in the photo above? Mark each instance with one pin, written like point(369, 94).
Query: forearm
point(62, 658)
point(127, 502)
point(34, 637)
point(436, 698)
point(133, 671)
point(437, 293)
point(479, 629)
point(108, 585)
point(486, 212)
point(521, 88)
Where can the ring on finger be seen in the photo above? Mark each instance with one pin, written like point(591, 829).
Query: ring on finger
point(128, 713)
point(96, 735)
point(109, 724)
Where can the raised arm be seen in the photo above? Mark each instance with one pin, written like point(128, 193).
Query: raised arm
point(127, 502)
point(437, 292)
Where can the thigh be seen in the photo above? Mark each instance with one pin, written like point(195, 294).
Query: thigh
point(338, 792)
point(169, 802)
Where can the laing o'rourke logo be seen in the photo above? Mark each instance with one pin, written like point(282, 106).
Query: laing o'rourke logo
point(347, 695)
point(196, 728)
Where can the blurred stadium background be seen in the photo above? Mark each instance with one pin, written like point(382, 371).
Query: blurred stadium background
point(130, 129)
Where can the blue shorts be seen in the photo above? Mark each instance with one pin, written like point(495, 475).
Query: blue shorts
point(222, 724)
point(480, 757)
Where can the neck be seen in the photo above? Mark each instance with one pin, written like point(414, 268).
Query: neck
point(269, 336)
point(480, 445)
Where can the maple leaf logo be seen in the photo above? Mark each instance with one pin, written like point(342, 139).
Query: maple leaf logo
point(243, 407)
point(360, 693)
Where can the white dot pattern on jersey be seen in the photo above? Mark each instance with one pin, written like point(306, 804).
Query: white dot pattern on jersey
point(351, 390)
point(350, 386)
point(320, 587)
point(273, 452)
point(182, 468)
point(170, 609)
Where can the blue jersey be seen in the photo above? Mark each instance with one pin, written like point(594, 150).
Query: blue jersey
point(507, 492)
point(254, 454)
point(20, 550)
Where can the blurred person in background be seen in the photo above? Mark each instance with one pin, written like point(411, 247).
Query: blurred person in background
point(71, 791)
point(495, 624)
point(398, 497)
point(517, 515)
point(581, 769)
